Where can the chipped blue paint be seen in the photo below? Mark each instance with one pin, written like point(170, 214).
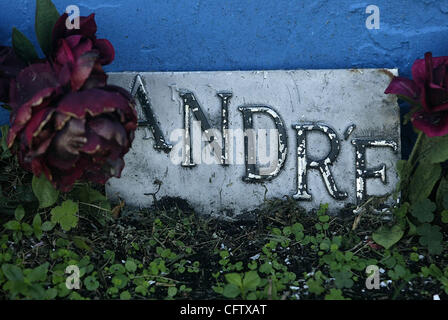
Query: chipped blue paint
point(173, 35)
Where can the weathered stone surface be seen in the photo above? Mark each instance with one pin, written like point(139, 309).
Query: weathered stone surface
point(348, 106)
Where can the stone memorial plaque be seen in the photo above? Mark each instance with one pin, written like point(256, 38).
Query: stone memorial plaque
point(225, 141)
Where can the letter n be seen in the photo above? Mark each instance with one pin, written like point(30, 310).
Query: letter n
point(191, 104)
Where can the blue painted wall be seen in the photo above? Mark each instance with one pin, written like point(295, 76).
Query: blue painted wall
point(175, 35)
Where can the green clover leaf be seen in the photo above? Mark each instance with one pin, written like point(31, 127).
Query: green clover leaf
point(125, 295)
point(335, 294)
point(315, 286)
point(398, 272)
point(91, 283)
point(423, 210)
point(430, 237)
point(65, 215)
point(130, 266)
point(444, 215)
point(172, 291)
point(120, 281)
point(343, 279)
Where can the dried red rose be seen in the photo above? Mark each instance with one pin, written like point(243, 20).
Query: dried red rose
point(86, 32)
point(429, 88)
point(69, 124)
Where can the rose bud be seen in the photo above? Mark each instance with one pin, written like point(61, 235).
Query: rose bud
point(85, 35)
point(429, 89)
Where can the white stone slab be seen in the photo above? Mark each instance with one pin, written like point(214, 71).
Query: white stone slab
point(337, 98)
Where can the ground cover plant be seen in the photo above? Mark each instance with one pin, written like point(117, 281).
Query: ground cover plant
point(170, 252)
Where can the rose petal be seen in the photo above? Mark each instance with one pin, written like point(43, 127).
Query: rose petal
point(94, 102)
point(64, 54)
point(96, 174)
point(68, 142)
point(63, 164)
point(73, 40)
point(87, 28)
point(64, 74)
point(59, 29)
point(38, 167)
point(107, 52)
point(405, 87)
point(436, 99)
point(64, 180)
point(21, 116)
point(432, 124)
point(84, 46)
point(37, 123)
point(82, 69)
point(439, 75)
point(94, 142)
point(32, 80)
point(97, 78)
point(42, 143)
point(420, 70)
point(109, 130)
